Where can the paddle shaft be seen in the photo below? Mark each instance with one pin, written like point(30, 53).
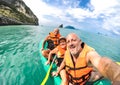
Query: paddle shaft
point(48, 72)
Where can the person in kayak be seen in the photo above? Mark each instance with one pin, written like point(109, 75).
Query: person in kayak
point(52, 40)
point(76, 61)
point(59, 51)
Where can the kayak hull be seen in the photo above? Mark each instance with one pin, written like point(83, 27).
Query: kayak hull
point(54, 80)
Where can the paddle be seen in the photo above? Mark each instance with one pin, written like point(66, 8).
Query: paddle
point(118, 63)
point(48, 72)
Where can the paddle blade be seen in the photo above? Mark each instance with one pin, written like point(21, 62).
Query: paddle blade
point(47, 76)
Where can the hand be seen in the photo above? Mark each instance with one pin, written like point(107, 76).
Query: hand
point(55, 73)
point(47, 62)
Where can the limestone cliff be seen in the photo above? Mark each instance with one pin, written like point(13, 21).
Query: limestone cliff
point(15, 12)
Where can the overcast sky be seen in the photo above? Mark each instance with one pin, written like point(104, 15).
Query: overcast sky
point(83, 14)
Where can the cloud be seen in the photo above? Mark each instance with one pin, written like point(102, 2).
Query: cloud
point(110, 13)
point(41, 9)
point(97, 14)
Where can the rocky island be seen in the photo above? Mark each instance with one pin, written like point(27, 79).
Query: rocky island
point(15, 12)
point(69, 27)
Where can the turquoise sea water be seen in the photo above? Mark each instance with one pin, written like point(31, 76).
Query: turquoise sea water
point(19, 54)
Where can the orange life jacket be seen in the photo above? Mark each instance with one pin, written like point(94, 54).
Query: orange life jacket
point(78, 71)
point(61, 52)
point(54, 38)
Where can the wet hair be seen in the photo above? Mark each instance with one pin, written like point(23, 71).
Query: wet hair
point(62, 38)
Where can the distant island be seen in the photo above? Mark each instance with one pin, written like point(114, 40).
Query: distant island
point(69, 27)
point(15, 12)
point(60, 26)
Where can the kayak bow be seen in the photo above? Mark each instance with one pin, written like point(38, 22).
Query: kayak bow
point(47, 79)
point(48, 73)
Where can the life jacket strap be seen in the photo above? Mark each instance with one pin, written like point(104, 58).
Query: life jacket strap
point(82, 79)
point(70, 68)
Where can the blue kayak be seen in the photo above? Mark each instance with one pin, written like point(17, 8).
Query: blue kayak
point(49, 80)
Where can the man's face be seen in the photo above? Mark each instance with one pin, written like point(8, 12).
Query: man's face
point(56, 31)
point(73, 44)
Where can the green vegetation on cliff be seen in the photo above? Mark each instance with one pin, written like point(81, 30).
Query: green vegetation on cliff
point(16, 12)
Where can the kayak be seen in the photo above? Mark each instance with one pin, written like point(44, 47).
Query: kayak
point(49, 80)
point(53, 80)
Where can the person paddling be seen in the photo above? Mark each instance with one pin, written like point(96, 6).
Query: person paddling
point(52, 40)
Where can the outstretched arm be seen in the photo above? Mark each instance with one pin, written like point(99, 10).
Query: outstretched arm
point(94, 58)
point(60, 68)
point(105, 66)
point(54, 51)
